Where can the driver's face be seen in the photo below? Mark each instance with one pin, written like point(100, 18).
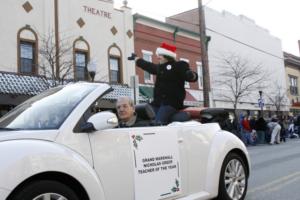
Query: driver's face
point(124, 109)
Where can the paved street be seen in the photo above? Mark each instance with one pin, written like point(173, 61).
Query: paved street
point(275, 172)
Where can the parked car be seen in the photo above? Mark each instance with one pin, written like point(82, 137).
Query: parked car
point(56, 145)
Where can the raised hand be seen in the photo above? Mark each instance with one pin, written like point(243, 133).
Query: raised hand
point(132, 57)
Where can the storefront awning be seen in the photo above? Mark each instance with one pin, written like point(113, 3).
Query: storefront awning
point(122, 90)
point(16, 84)
point(16, 88)
point(146, 91)
point(191, 99)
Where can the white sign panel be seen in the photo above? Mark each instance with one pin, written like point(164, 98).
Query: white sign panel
point(156, 165)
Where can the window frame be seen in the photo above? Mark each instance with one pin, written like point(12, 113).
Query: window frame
point(186, 83)
point(34, 42)
point(148, 53)
point(86, 50)
point(119, 69)
point(293, 83)
point(33, 63)
point(118, 55)
point(86, 73)
point(200, 74)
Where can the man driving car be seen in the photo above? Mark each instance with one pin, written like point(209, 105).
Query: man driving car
point(126, 112)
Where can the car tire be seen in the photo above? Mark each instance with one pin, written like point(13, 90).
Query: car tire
point(233, 181)
point(45, 188)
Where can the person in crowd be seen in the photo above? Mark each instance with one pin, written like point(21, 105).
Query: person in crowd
point(236, 127)
point(261, 128)
point(169, 91)
point(297, 125)
point(275, 131)
point(126, 113)
point(246, 131)
point(291, 127)
point(252, 122)
point(283, 125)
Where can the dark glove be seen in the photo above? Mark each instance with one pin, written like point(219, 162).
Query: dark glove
point(191, 76)
point(132, 57)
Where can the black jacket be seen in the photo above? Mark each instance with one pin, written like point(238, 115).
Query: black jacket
point(138, 122)
point(170, 79)
point(261, 125)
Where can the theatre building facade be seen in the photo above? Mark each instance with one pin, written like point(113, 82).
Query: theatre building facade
point(64, 40)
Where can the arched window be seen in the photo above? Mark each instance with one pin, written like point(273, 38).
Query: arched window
point(81, 50)
point(27, 41)
point(115, 64)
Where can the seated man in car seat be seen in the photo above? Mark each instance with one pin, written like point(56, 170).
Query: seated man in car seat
point(126, 113)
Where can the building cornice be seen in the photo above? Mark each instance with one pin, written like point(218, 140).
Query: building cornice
point(164, 24)
point(290, 59)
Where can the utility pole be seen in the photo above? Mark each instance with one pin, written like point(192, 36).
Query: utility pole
point(56, 30)
point(204, 55)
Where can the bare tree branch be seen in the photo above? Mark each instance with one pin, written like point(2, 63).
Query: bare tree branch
point(278, 97)
point(239, 77)
point(48, 57)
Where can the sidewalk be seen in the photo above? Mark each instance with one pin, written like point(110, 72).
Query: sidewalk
point(267, 144)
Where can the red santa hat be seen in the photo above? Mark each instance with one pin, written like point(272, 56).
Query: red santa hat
point(166, 50)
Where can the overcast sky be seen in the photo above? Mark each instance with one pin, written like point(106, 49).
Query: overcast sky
point(280, 17)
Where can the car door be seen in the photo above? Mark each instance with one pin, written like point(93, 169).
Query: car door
point(196, 139)
point(140, 163)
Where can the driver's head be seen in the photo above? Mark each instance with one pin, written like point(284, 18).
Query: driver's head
point(125, 108)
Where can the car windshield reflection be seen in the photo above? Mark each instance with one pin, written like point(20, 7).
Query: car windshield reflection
point(47, 110)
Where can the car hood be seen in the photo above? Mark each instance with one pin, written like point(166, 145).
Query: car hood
point(49, 135)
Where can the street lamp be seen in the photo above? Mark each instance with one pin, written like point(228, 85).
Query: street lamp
point(261, 103)
point(92, 70)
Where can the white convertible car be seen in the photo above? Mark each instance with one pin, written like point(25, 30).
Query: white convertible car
point(55, 146)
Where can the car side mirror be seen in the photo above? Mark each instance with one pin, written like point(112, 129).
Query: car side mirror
point(103, 120)
point(87, 127)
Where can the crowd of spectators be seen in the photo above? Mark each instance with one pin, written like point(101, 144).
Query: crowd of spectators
point(258, 130)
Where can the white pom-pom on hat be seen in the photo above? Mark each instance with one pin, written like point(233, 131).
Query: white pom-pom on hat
point(167, 50)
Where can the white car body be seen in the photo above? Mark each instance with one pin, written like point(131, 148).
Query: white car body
point(101, 162)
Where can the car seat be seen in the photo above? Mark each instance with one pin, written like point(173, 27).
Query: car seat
point(145, 111)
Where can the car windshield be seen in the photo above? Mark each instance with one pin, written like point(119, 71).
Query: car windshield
point(47, 110)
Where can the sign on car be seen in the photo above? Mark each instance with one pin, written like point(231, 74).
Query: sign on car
point(156, 165)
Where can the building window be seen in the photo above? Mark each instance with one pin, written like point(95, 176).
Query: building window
point(199, 71)
point(27, 58)
point(186, 84)
point(81, 58)
point(147, 55)
point(81, 65)
point(114, 67)
point(27, 53)
point(293, 85)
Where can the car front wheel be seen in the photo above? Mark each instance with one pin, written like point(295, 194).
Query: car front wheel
point(45, 189)
point(234, 179)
